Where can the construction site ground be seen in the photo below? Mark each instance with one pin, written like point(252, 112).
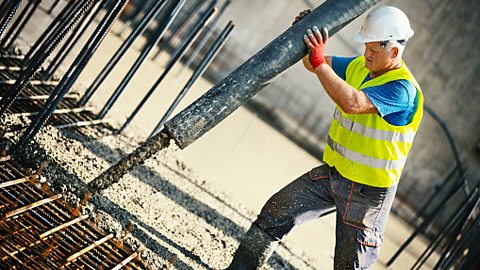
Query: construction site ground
point(195, 203)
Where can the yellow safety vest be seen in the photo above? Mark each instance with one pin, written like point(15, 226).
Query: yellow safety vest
point(364, 147)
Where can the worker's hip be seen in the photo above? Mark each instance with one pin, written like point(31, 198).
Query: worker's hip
point(321, 191)
point(359, 205)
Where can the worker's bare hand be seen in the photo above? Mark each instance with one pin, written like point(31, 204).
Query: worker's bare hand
point(301, 16)
point(316, 42)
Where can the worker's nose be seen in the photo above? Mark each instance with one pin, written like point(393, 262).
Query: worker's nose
point(366, 54)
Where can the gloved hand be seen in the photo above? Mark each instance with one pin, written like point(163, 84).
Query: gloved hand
point(301, 15)
point(316, 41)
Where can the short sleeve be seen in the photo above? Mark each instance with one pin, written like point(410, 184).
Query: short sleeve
point(395, 97)
point(340, 64)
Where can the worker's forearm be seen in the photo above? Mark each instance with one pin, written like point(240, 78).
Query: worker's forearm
point(339, 91)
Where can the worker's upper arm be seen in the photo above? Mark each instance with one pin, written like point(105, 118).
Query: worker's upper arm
point(360, 104)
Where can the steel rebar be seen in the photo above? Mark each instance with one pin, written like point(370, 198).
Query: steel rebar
point(63, 226)
point(31, 82)
point(134, 16)
point(32, 205)
point(164, 42)
point(26, 19)
point(121, 52)
point(51, 27)
point(38, 232)
point(458, 232)
point(461, 183)
point(460, 214)
point(427, 222)
point(88, 248)
point(58, 111)
point(44, 97)
point(53, 6)
point(452, 144)
point(433, 196)
point(178, 53)
point(218, 44)
point(4, 8)
point(14, 5)
point(40, 57)
point(71, 41)
point(208, 34)
point(72, 74)
point(216, 47)
point(83, 123)
point(465, 244)
point(20, 23)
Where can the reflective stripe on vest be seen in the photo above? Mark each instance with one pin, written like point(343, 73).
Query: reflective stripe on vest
point(371, 132)
point(366, 160)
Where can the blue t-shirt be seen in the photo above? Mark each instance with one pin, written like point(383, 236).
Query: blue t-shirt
point(396, 101)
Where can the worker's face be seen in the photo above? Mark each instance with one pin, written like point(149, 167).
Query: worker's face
point(378, 58)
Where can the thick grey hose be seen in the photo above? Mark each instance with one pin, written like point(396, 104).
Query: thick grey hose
point(225, 97)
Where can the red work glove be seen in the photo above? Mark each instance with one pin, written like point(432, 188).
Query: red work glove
point(301, 15)
point(316, 45)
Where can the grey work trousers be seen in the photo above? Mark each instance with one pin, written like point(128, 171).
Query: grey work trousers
point(362, 212)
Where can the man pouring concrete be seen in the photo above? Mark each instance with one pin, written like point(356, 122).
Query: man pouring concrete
point(378, 111)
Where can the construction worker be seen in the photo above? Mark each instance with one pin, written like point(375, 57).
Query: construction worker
point(378, 111)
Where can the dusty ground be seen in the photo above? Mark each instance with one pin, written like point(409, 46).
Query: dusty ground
point(197, 202)
point(173, 210)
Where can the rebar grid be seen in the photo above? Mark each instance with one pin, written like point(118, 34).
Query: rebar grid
point(39, 230)
point(33, 97)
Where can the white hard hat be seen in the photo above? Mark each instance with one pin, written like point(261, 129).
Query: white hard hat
point(384, 24)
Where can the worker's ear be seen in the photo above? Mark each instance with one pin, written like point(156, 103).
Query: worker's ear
point(395, 52)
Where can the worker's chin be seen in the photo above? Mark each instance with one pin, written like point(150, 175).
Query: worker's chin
point(368, 66)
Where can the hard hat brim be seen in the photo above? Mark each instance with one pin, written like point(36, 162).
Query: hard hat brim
point(358, 37)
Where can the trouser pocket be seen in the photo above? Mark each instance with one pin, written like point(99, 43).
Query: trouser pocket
point(368, 246)
point(319, 173)
point(367, 207)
